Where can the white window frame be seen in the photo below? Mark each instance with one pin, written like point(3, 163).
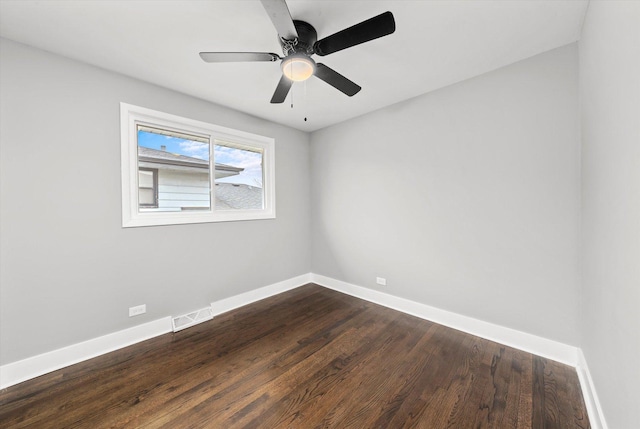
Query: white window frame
point(131, 116)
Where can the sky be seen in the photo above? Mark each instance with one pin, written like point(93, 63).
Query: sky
point(250, 161)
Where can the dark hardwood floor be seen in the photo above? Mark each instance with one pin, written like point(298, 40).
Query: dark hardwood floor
point(308, 358)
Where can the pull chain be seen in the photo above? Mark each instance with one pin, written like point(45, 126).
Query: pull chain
point(292, 85)
point(305, 100)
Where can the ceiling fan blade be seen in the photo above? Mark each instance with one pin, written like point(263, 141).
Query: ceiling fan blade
point(378, 26)
point(282, 90)
point(234, 57)
point(281, 18)
point(336, 80)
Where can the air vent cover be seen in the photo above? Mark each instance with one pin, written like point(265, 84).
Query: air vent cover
point(193, 318)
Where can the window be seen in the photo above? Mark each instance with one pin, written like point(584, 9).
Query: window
point(177, 170)
point(147, 187)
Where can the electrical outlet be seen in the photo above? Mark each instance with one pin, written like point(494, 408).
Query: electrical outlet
point(137, 310)
point(381, 281)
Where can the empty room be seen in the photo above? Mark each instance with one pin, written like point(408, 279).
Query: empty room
point(319, 214)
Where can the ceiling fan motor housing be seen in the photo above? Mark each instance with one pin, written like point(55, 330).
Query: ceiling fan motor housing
point(307, 36)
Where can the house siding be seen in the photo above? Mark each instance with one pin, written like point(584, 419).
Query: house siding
point(178, 189)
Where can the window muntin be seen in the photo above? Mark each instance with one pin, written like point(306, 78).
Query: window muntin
point(166, 171)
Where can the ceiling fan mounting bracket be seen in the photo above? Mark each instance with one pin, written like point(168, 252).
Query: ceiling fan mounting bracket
point(303, 44)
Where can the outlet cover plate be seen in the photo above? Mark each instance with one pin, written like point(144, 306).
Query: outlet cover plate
point(137, 310)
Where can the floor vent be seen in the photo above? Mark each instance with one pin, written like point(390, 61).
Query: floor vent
point(193, 318)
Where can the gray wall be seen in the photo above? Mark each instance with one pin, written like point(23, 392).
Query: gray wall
point(610, 99)
point(69, 271)
point(466, 198)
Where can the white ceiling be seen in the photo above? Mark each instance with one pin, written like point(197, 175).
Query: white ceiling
point(436, 43)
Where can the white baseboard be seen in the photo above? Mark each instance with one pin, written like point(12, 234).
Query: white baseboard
point(35, 366)
point(246, 298)
point(17, 372)
point(594, 409)
point(521, 340)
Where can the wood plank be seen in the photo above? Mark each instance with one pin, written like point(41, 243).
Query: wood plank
point(307, 358)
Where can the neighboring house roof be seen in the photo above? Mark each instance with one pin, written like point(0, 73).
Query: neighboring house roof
point(156, 156)
point(236, 196)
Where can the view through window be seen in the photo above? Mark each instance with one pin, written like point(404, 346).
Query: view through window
point(238, 178)
point(181, 163)
point(174, 173)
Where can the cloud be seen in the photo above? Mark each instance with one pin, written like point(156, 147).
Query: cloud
point(194, 149)
point(237, 157)
point(250, 161)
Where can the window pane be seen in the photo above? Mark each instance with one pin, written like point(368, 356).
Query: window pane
point(145, 179)
point(238, 178)
point(147, 192)
point(147, 196)
point(182, 168)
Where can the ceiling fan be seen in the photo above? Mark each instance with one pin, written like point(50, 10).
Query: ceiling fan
point(299, 41)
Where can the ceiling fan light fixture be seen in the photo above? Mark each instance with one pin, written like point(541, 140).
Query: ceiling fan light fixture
point(298, 67)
